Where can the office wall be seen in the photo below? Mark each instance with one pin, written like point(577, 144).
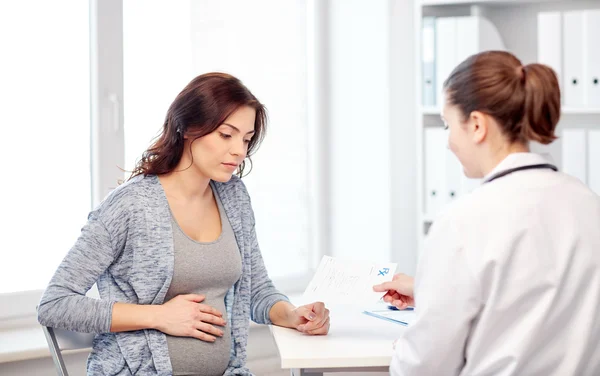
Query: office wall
point(372, 131)
point(403, 135)
point(359, 129)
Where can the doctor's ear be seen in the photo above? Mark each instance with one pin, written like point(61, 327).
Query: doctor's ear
point(478, 124)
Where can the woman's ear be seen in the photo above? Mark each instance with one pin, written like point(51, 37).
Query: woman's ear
point(478, 126)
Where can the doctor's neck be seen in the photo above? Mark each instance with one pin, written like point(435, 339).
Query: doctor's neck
point(497, 154)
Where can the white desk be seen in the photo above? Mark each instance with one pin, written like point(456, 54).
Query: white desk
point(356, 342)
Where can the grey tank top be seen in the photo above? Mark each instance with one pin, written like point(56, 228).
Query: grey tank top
point(209, 269)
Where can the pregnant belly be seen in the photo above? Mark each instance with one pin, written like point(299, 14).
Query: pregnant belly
point(191, 356)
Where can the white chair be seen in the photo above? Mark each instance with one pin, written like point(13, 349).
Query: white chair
point(60, 340)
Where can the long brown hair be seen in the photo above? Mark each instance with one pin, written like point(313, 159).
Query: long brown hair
point(524, 100)
point(200, 108)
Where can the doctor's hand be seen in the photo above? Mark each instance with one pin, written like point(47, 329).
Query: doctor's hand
point(400, 291)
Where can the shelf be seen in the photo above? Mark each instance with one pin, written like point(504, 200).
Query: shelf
point(576, 111)
point(427, 219)
point(430, 110)
point(481, 2)
point(508, 18)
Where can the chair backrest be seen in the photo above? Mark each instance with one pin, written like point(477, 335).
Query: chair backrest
point(60, 339)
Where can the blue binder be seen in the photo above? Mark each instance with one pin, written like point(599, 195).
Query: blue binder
point(428, 61)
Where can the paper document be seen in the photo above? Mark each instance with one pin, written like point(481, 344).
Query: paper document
point(402, 317)
point(348, 282)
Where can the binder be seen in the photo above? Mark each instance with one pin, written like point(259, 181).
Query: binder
point(435, 175)
point(550, 43)
point(456, 39)
point(594, 160)
point(454, 174)
point(445, 52)
point(489, 37)
point(428, 62)
point(467, 37)
point(475, 34)
point(574, 147)
point(592, 55)
point(573, 84)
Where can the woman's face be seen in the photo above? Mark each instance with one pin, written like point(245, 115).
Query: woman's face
point(218, 154)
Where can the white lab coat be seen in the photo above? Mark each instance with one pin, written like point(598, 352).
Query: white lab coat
point(509, 281)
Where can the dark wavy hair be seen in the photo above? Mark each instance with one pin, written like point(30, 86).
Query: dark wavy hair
point(200, 108)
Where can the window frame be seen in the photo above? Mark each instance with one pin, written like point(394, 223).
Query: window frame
point(107, 145)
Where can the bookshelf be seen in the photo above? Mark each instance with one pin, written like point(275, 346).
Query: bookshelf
point(516, 23)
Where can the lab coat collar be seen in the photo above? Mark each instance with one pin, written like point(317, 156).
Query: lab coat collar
point(514, 160)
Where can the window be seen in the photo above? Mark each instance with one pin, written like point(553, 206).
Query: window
point(264, 44)
point(268, 53)
point(61, 108)
point(157, 64)
point(45, 96)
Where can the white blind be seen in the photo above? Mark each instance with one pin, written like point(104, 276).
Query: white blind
point(45, 153)
point(157, 64)
point(263, 43)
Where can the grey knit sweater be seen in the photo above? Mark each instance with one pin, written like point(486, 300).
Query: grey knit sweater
point(127, 248)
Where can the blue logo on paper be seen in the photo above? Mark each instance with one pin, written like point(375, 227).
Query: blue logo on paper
point(384, 271)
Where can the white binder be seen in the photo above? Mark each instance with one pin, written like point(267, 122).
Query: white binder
point(428, 62)
point(454, 174)
point(436, 141)
point(445, 52)
point(592, 54)
point(594, 160)
point(468, 35)
point(457, 38)
point(550, 44)
point(476, 34)
point(574, 153)
point(573, 75)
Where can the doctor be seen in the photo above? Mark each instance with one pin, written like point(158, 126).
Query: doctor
point(509, 281)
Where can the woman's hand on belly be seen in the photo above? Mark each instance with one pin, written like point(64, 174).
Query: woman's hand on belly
point(185, 316)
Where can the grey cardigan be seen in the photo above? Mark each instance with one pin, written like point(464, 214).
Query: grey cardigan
point(126, 247)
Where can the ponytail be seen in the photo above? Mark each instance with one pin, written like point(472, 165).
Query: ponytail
point(542, 104)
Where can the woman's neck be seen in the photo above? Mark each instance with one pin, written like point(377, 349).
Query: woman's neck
point(186, 184)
